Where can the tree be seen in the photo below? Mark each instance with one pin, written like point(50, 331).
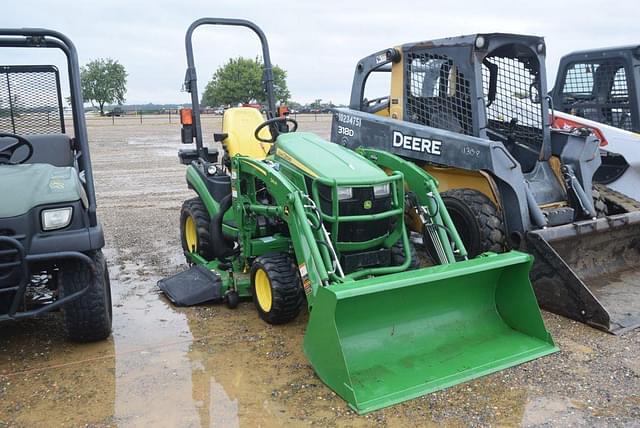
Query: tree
point(240, 81)
point(293, 105)
point(317, 104)
point(104, 81)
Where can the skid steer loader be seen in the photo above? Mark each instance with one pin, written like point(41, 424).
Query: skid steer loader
point(472, 112)
point(599, 89)
point(286, 217)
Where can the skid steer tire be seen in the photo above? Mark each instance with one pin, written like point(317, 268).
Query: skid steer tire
point(477, 220)
point(87, 318)
point(276, 288)
point(599, 203)
point(397, 255)
point(194, 226)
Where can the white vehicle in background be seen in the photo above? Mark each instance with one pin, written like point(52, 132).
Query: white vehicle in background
point(620, 151)
point(600, 88)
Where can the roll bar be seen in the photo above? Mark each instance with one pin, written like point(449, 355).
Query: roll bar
point(190, 79)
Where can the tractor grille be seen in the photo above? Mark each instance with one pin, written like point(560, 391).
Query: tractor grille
point(438, 95)
point(514, 109)
point(598, 91)
point(30, 100)
point(358, 231)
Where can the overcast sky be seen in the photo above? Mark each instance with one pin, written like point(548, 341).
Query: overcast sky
point(317, 42)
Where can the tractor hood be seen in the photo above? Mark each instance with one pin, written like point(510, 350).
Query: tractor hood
point(23, 187)
point(320, 158)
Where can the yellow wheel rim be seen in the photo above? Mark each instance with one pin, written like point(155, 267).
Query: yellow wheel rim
point(263, 290)
point(191, 234)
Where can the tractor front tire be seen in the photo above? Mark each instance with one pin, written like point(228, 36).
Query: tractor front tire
point(87, 318)
point(476, 219)
point(276, 288)
point(194, 229)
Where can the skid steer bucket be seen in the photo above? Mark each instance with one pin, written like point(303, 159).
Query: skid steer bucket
point(590, 271)
point(384, 340)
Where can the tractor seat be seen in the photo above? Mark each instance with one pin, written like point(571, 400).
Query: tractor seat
point(53, 149)
point(240, 123)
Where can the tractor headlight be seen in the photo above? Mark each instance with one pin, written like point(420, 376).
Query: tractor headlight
point(345, 193)
point(381, 190)
point(56, 218)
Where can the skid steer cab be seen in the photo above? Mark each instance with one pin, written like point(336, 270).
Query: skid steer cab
point(473, 112)
point(599, 89)
point(285, 217)
point(50, 238)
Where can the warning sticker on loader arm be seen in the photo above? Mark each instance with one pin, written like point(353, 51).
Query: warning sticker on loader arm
point(304, 276)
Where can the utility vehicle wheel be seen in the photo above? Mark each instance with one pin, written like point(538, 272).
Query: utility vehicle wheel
point(87, 318)
point(397, 255)
point(600, 205)
point(194, 228)
point(276, 288)
point(477, 220)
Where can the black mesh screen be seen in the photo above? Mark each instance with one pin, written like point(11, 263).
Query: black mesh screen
point(437, 93)
point(598, 91)
point(30, 100)
point(513, 101)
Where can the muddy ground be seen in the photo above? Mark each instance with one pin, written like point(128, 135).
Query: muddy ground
point(211, 366)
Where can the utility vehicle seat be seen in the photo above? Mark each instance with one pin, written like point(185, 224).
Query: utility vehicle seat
point(240, 123)
point(54, 149)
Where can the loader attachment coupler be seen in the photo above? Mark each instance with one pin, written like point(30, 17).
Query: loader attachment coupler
point(589, 271)
point(384, 340)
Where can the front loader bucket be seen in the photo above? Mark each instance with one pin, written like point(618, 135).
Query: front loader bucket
point(590, 271)
point(384, 340)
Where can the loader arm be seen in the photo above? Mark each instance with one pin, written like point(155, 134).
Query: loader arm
point(425, 189)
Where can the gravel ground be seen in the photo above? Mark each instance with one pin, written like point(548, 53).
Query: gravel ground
point(211, 366)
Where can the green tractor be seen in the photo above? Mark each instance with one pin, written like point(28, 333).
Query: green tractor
point(287, 217)
point(50, 238)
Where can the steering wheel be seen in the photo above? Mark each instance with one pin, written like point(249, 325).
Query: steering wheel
point(274, 129)
point(7, 152)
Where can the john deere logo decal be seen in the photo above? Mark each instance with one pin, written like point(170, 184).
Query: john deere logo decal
point(367, 205)
point(56, 184)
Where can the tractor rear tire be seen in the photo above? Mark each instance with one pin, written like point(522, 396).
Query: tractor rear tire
point(397, 255)
point(477, 220)
point(276, 288)
point(194, 225)
point(87, 318)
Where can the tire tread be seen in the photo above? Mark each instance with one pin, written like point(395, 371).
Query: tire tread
point(87, 318)
point(286, 288)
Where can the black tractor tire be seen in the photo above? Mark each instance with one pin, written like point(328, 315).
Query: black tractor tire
point(232, 299)
point(477, 221)
point(286, 295)
point(87, 318)
point(602, 210)
point(397, 255)
point(194, 208)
